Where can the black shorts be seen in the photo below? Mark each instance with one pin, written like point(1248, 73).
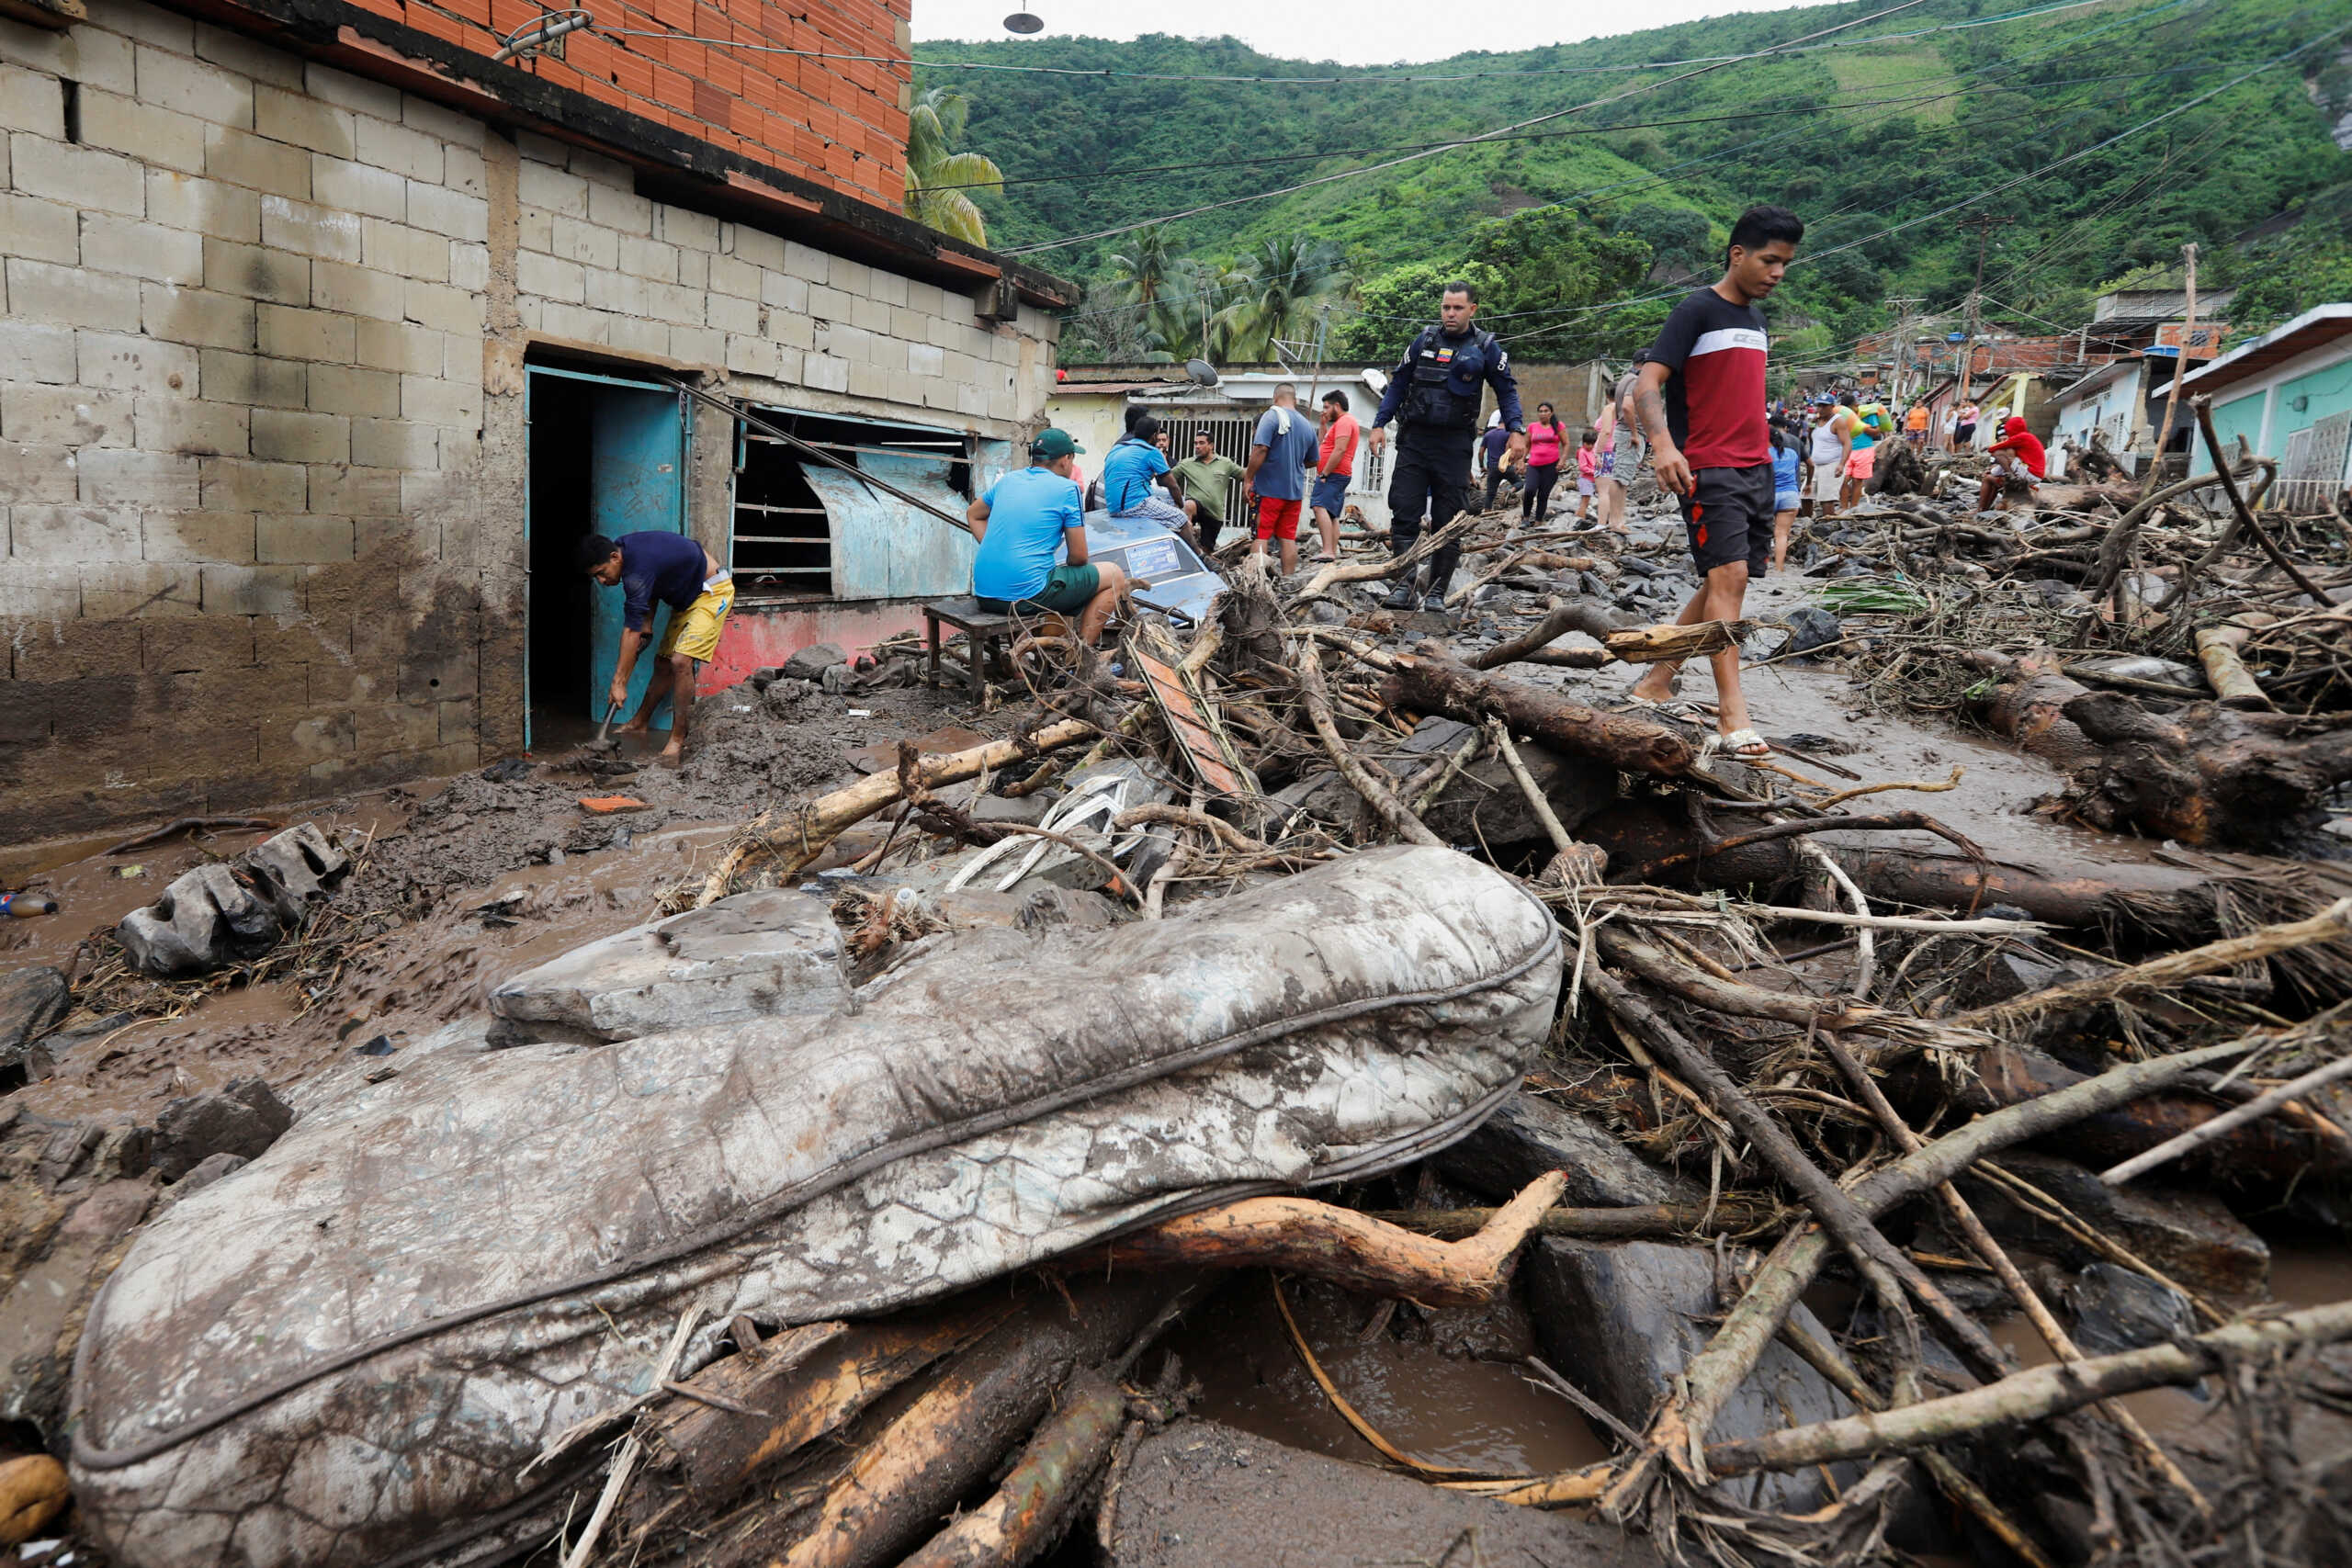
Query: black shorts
point(1728, 514)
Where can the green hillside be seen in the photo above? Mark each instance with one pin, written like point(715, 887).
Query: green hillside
point(1620, 201)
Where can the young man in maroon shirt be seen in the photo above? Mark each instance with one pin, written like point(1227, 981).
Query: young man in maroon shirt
point(1701, 401)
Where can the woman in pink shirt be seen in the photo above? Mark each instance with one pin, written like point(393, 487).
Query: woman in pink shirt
point(1545, 438)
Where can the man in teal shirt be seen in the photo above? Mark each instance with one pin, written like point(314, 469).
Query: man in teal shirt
point(1022, 522)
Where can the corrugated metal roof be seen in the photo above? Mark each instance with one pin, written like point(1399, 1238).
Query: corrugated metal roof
point(2160, 305)
point(2315, 328)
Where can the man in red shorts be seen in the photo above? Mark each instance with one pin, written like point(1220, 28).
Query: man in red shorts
point(1701, 398)
point(1280, 456)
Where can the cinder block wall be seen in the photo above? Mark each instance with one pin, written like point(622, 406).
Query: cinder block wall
point(261, 334)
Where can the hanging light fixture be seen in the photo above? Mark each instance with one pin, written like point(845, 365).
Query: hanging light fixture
point(1024, 23)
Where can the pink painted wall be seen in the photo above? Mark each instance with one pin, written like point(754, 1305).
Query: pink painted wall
point(759, 636)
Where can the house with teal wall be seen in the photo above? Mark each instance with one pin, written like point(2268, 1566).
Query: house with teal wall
point(2289, 394)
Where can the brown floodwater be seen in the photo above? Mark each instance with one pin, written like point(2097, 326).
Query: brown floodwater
point(1445, 1387)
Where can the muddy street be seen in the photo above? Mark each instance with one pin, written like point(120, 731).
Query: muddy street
point(1234, 1092)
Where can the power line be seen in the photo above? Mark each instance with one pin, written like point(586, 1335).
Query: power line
point(1965, 202)
point(1661, 178)
point(1367, 78)
point(1469, 141)
point(1084, 175)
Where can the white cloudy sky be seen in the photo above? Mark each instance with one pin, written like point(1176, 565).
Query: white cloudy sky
point(1350, 32)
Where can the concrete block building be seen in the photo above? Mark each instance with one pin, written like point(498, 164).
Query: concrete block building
point(323, 339)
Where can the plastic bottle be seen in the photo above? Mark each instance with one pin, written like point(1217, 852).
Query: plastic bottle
point(25, 906)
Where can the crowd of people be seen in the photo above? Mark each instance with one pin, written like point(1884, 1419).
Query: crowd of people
point(1741, 468)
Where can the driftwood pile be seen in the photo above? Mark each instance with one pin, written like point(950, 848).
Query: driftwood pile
point(1833, 1043)
point(2184, 652)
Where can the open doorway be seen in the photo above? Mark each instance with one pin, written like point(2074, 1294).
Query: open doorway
point(606, 456)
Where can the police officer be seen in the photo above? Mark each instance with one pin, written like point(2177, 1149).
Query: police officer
point(1434, 397)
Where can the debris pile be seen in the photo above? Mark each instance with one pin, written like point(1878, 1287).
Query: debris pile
point(1846, 1173)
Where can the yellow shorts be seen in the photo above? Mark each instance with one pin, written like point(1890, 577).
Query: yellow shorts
point(695, 633)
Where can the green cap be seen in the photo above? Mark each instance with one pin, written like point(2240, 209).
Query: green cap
point(1052, 443)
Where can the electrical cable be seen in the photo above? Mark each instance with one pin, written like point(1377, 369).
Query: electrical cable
point(2049, 168)
point(1081, 175)
point(1468, 142)
point(1373, 78)
point(1662, 177)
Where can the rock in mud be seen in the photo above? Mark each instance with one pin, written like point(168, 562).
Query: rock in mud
point(205, 917)
point(296, 870)
point(1810, 628)
point(2116, 1309)
point(242, 1117)
point(1203, 1496)
point(2188, 1236)
point(1620, 1320)
point(1530, 1136)
point(811, 662)
point(31, 1000)
point(56, 1248)
point(766, 954)
point(207, 1172)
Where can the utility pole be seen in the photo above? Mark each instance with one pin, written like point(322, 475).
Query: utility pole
point(2179, 364)
point(1984, 223)
point(1902, 307)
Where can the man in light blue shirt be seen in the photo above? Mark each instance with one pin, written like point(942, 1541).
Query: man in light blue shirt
point(1022, 522)
point(1128, 469)
point(1284, 448)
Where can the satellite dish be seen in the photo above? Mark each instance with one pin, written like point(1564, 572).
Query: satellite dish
point(1022, 22)
point(1201, 371)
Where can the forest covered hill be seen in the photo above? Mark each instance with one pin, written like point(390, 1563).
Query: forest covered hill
point(1579, 219)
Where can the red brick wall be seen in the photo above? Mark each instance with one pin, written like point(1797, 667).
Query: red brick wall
point(840, 122)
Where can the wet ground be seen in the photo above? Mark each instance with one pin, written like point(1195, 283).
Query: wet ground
point(488, 873)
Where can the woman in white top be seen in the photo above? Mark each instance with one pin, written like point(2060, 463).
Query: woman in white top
point(1833, 442)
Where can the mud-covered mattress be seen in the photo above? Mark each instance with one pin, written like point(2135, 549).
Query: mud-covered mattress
point(346, 1352)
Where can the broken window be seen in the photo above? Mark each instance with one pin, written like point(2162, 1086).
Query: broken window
point(805, 529)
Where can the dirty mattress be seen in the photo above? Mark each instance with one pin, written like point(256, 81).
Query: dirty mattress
point(346, 1352)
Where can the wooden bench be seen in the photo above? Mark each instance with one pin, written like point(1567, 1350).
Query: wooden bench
point(983, 629)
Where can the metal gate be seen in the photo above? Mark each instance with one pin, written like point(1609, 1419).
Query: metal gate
point(2311, 474)
point(1229, 433)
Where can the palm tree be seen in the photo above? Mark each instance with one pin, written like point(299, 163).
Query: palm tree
point(1289, 273)
point(1148, 267)
point(939, 178)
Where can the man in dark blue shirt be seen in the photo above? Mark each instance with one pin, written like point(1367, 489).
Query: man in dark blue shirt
point(676, 570)
point(1433, 395)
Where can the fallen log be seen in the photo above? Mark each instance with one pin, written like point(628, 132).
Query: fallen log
point(915, 1470)
point(1717, 1371)
point(2208, 774)
point(794, 837)
point(2033, 1395)
point(1587, 616)
point(2264, 1156)
point(2158, 975)
point(1675, 641)
point(1428, 682)
point(767, 1401)
point(1027, 1512)
point(1832, 1205)
point(1428, 544)
point(1345, 1247)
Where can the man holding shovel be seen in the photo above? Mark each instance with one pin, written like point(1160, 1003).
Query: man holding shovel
point(679, 572)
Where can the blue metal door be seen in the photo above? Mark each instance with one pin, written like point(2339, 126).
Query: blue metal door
point(637, 449)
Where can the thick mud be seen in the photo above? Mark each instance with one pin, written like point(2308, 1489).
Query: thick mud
point(471, 879)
